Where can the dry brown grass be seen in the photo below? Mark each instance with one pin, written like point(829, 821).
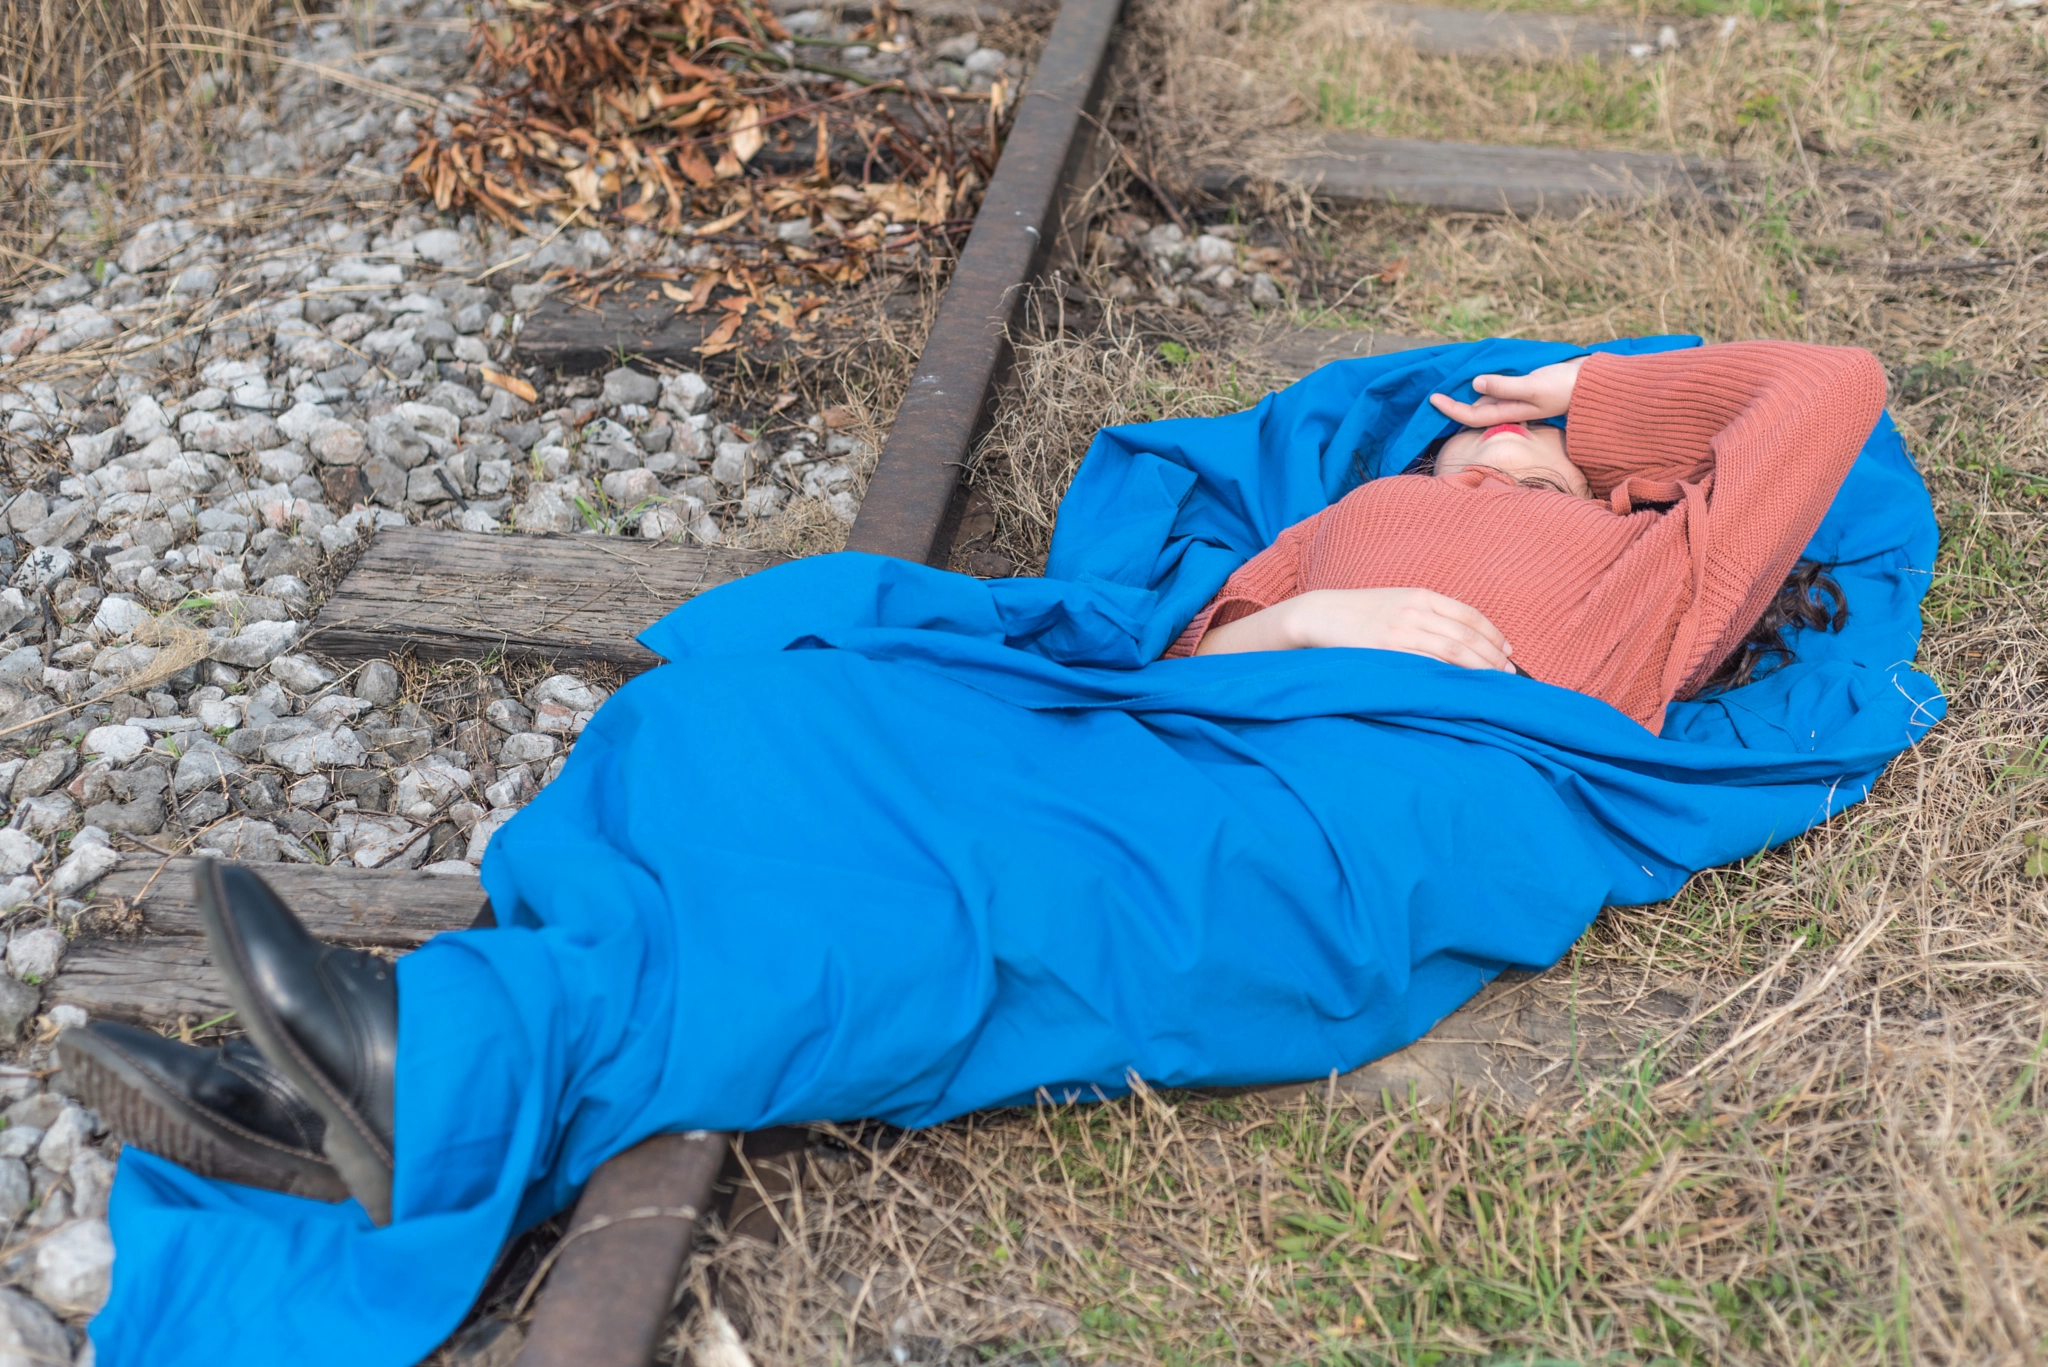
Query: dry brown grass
point(82, 82)
point(1953, 91)
point(1847, 1162)
point(1885, 82)
point(1064, 389)
point(866, 380)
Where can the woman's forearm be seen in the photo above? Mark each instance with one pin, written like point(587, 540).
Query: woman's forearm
point(1416, 621)
point(1271, 577)
point(1267, 629)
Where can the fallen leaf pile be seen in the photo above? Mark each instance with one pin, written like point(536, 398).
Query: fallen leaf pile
point(685, 116)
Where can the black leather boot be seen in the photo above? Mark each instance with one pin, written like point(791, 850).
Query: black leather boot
point(218, 1112)
point(325, 1017)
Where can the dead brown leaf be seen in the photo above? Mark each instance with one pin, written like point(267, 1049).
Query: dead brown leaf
point(511, 384)
point(721, 337)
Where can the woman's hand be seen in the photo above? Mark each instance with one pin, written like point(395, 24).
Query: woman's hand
point(1416, 621)
point(1542, 393)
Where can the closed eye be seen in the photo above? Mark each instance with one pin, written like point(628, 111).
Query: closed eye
point(1529, 481)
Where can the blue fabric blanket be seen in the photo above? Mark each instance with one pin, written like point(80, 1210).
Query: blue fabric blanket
point(885, 841)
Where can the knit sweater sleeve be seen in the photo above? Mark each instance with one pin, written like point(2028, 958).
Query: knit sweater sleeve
point(1272, 576)
point(1776, 424)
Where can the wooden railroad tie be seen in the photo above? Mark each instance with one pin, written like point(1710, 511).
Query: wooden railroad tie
point(1351, 169)
point(164, 976)
point(574, 600)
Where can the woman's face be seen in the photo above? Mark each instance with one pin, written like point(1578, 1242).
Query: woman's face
point(1527, 453)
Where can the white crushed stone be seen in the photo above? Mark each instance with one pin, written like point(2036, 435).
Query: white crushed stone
point(74, 1267)
point(33, 955)
point(30, 1335)
point(262, 395)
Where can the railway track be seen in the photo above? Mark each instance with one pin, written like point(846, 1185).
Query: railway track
point(445, 595)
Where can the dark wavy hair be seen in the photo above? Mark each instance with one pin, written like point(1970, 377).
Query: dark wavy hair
point(1809, 597)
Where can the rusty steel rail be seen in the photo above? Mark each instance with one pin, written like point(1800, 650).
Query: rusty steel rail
point(910, 508)
point(614, 1283)
point(615, 1271)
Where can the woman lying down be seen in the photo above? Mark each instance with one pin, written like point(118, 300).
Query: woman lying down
point(1654, 555)
point(883, 841)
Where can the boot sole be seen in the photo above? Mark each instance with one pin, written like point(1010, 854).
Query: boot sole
point(145, 1113)
point(361, 1159)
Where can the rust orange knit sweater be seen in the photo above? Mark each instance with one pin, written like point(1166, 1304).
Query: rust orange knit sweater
point(1710, 468)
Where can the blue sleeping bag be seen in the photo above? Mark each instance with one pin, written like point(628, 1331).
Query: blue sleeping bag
point(884, 841)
